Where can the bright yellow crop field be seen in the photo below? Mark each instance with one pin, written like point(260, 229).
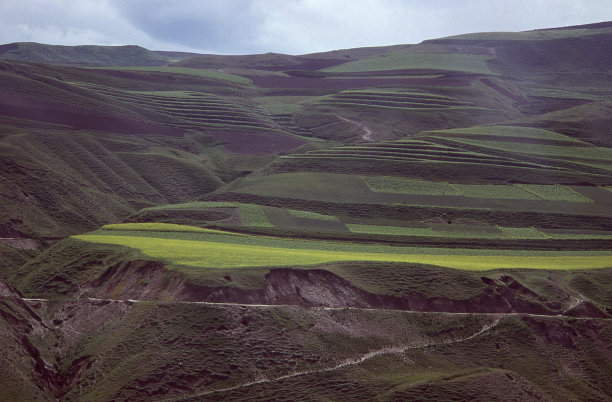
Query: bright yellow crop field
point(213, 254)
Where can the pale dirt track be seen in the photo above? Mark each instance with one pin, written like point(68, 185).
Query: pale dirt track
point(346, 363)
point(367, 133)
point(93, 299)
point(399, 349)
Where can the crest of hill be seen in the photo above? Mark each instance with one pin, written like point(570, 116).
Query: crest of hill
point(86, 55)
point(575, 31)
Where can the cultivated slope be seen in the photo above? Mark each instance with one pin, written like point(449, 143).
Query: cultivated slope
point(426, 221)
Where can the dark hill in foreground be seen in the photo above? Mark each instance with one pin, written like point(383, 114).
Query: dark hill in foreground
point(427, 221)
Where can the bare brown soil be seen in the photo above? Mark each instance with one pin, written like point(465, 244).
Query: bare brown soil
point(320, 288)
point(257, 143)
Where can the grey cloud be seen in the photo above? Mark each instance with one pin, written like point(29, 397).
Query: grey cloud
point(223, 27)
point(287, 26)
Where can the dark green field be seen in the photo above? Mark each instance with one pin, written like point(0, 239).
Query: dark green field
point(425, 222)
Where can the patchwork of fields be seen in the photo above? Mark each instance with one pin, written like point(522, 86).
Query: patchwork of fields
point(410, 222)
point(193, 110)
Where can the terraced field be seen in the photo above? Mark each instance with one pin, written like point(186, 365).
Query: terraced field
point(409, 222)
point(411, 150)
point(394, 100)
point(528, 144)
point(194, 110)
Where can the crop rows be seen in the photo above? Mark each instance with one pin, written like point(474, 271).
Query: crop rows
point(395, 100)
point(411, 151)
point(194, 108)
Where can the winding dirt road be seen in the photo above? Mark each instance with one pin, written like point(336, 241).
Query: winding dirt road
point(367, 133)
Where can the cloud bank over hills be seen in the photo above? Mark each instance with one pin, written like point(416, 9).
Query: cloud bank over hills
point(285, 26)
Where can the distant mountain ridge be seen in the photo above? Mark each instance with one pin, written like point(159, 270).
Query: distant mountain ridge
point(85, 55)
point(133, 55)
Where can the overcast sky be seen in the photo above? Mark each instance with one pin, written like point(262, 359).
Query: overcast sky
point(284, 26)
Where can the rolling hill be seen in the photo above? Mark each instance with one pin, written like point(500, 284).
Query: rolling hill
point(429, 221)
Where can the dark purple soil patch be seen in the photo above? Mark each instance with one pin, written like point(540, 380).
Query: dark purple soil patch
point(597, 194)
point(79, 119)
point(256, 143)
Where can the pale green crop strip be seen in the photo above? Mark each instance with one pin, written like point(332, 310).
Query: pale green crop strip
point(311, 215)
point(231, 255)
point(160, 227)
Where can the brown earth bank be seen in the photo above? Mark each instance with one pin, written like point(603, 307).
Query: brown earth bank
point(143, 280)
point(121, 350)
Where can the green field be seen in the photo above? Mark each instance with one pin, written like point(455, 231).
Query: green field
point(391, 184)
point(158, 227)
point(253, 215)
point(397, 61)
point(224, 250)
point(405, 222)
